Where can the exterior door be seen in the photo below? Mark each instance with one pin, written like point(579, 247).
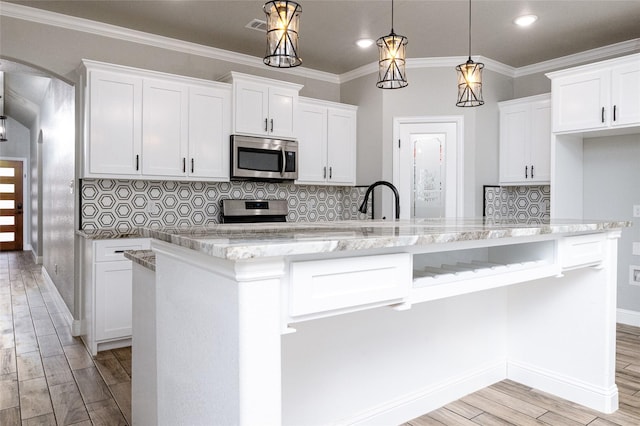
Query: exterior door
point(10, 205)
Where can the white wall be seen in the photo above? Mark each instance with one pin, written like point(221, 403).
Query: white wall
point(611, 188)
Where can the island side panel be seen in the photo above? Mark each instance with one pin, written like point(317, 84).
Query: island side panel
point(218, 339)
point(562, 333)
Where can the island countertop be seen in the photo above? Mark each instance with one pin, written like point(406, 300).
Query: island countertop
point(249, 241)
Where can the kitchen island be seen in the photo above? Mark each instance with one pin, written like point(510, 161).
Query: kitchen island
point(377, 322)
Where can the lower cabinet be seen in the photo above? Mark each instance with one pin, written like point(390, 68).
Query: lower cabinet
point(107, 288)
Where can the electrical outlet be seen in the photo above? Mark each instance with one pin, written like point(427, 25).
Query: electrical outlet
point(636, 249)
point(636, 210)
point(153, 207)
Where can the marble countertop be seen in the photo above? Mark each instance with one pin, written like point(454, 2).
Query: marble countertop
point(108, 234)
point(146, 258)
point(249, 241)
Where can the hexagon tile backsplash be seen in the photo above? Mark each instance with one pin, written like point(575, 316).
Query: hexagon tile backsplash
point(127, 204)
point(517, 202)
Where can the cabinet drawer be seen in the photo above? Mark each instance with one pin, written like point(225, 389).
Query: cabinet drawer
point(111, 250)
point(581, 250)
point(324, 285)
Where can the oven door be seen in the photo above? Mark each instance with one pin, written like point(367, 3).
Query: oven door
point(263, 158)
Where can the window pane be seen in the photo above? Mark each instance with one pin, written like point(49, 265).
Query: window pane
point(7, 204)
point(7, 171)
point(6, 237)
point(8, 188)
point(7, 220)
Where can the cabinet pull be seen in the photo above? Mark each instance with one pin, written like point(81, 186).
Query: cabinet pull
point(532, 171)
point(324, 173)
point(192, 162)
point(137, 162)
point(614, 112)
point(265, 124)
point(526, 172)
point(272, 125)
point(184, 165)
point(603, 114)
point(330, 172)
point(118, 251)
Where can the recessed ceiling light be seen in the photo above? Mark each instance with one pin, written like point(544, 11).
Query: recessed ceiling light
point(364, 42)
point(525, 20)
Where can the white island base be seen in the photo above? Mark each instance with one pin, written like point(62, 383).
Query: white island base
point(380, 336)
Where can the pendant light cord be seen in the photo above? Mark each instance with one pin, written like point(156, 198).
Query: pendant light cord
point(469, 29)
point(391, 16)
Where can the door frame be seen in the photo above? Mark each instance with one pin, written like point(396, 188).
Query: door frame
point(26, 201)
point(458, 121)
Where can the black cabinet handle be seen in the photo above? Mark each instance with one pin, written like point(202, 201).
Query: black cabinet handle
point(192, 162)
point(118, 251)
point(184, 165)
point(265, 124)
point(272, 125)
point(526, 172)
point(603, 114)
point(614, 112)
point(330, 172)
point(324, 173)
point(532, 171)
point(137, 162)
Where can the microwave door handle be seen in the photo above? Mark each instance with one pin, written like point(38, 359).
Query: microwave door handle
point(284, 162)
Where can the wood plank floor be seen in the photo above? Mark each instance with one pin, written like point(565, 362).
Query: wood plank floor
point(48, 378)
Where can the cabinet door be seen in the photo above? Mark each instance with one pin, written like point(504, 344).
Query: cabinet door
point(578, 101)
point(164, 129)
point(113, 300)
point(540, 143)
point(514, 136)
point(251, 108)
point(341, 143)
point(283, 104)
point(209, 130)
point(312, 144)
point(114, 121)
point(625, 94)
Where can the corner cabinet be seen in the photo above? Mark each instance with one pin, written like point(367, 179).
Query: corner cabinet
point(263, 107)
point(326, 143)
point(525, 140)
point(597, 96)
point(141, 124)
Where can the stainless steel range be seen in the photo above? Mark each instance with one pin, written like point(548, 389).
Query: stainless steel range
point(253, 211)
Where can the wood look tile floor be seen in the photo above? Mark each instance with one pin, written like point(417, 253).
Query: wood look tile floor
point(48, 378)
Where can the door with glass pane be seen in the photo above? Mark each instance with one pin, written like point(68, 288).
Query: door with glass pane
point(10, 205)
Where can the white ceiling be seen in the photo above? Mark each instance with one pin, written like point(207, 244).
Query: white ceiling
point(329, 28)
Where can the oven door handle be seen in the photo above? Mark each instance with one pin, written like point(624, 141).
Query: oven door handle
point(284, 161)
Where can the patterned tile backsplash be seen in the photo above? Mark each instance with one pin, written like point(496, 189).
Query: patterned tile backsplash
point(127, 204)
point(517, 202)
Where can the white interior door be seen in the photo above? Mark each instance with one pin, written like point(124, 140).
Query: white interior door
point(427, 166)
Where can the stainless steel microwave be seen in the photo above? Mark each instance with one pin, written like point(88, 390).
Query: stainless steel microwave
point(261, 158)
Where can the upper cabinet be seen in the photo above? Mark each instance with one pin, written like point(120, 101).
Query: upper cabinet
point(597, 96)
point(327, 143)
point(525, 140)
point(263, 107)
point(145, 124)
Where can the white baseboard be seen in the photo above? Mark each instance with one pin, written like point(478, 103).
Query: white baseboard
point(415, 404)
point(598, 398)
point(74, 325)
point(625, 316)
point(36, 259)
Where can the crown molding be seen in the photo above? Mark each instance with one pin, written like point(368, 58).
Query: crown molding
point(26, 13)
point(40, 16)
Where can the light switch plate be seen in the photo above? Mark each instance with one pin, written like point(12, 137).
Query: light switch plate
point(636, 210)
point(636, 249)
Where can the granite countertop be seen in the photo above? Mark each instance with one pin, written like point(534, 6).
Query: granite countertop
point(108, 234)
point(248, 241)
point(146, 258)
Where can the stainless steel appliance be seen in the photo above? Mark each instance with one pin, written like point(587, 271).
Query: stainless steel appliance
point(260, 158)
point(253, 211)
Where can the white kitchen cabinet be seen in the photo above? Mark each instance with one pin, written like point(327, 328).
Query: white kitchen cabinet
point(597, 96)
point(327, 143)
point(525, 140)
point(113, 123)
point(107, 289)
point(148, 125)
point(263, 107)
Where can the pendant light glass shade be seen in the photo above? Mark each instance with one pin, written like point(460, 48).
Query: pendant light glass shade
point(391, 65)
point(470, 79)
point(3, 128)
point(283, 24)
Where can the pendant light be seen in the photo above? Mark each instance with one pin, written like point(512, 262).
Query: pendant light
point(283, 23)
point(391, 65)
point(470, 79)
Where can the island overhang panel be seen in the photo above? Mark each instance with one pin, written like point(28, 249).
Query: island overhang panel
point(379, 322)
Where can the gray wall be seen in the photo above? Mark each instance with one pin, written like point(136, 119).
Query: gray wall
point(57, 118)
point(611, 188)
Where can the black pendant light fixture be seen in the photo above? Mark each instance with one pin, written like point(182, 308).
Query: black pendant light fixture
point(470, 79)
point(283, 24)
point(391, 65)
